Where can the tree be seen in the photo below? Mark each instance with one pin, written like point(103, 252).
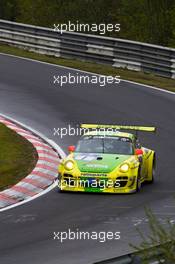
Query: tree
point(8, 9)
point(151, 21)
point(161, 236)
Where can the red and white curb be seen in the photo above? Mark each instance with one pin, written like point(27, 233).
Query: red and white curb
point(43, 175)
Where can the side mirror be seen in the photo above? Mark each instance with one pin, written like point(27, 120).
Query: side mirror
point(138, 152)
point(71, 148)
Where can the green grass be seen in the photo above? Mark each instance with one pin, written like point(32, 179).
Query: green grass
point(17, 157)
point(140, 77)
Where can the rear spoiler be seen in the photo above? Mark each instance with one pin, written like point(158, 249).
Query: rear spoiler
point(118, 127)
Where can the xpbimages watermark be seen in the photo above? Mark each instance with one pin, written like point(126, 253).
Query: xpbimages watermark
point(80, 131)
point(101, 28)
point(61, 80)
point(86, 183)
point(101, 236)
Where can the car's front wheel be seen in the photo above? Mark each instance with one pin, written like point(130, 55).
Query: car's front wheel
point(139, 183)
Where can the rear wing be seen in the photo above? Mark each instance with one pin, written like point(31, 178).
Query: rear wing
point(118, 127)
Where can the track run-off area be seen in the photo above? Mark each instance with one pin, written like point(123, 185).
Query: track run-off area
point(27, 94)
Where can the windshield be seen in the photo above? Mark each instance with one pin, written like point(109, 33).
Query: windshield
point(108, 145)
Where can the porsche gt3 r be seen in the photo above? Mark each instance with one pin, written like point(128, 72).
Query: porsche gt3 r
point(107, 161)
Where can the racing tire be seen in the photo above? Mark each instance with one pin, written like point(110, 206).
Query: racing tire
point(139, 184)
point(60, 190)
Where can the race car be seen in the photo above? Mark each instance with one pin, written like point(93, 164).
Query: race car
point(107, 159)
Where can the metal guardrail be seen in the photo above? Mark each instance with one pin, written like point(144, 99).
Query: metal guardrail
point(152, 255)
point(130, 259)
point(116, 52)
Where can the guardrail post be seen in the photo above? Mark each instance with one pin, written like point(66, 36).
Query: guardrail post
point(173, 68)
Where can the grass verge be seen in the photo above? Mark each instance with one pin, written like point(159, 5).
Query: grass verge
point(17, 157)
point(140, 77)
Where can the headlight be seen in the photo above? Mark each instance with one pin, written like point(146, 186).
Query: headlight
point(124, 167)
point(68, 165)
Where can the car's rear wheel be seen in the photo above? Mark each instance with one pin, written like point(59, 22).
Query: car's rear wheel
point(153, 170)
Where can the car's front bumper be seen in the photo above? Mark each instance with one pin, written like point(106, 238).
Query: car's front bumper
point(74, 185)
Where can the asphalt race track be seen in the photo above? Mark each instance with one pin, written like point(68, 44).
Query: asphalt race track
point(28, 94)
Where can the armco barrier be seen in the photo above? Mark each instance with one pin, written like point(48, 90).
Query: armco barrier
point(128, 259)
point(153, 255)
point(116, 52)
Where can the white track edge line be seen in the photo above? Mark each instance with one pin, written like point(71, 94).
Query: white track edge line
point(74, 69)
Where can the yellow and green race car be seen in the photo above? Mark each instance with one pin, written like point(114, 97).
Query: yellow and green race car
point(107, 160)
